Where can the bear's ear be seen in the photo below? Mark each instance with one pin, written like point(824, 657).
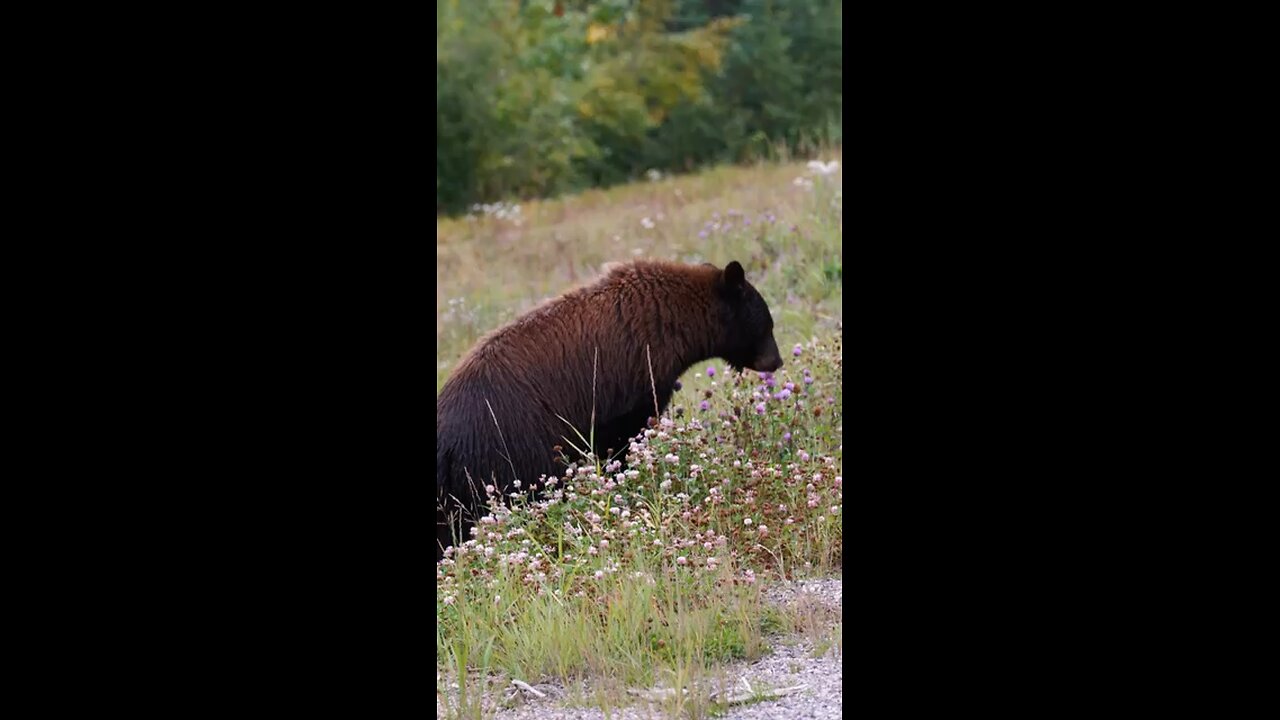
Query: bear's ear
point(734, 276)
point(732, 280)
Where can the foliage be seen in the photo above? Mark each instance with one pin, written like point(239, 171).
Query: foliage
point(539, 97)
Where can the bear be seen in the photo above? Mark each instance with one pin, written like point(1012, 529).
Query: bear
point(608, 351)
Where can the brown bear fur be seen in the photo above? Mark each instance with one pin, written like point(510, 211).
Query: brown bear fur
point(496, 416)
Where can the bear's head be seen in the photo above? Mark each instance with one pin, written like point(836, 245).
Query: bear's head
point(747, 339)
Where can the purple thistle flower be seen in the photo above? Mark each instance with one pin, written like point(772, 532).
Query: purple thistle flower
point(678, 385)
point(702, 234)
point(786, 436)
point(760, 409)
point(769, 381)
point(711, 371)
point(783, 395)
point(808, 380)
point(796, 350)
point(704, 405)
point(790, 386)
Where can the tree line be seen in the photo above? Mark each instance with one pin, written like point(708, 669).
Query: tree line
point(539, 97)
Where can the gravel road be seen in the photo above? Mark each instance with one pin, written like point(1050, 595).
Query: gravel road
point(791, 663)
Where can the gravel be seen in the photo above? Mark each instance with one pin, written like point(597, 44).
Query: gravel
point(790, 663)
point(825, 591)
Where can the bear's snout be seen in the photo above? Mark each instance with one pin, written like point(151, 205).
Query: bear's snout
point(769, 359)
point(768, 363)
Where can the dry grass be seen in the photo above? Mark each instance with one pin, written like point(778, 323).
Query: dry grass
point(489, 269)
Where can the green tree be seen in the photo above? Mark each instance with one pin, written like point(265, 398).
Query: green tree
point(535, 97)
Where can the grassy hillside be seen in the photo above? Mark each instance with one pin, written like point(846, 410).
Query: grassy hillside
point(652, 574)
point(501, 261)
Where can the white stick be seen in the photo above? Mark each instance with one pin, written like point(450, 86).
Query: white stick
point(525, 686)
